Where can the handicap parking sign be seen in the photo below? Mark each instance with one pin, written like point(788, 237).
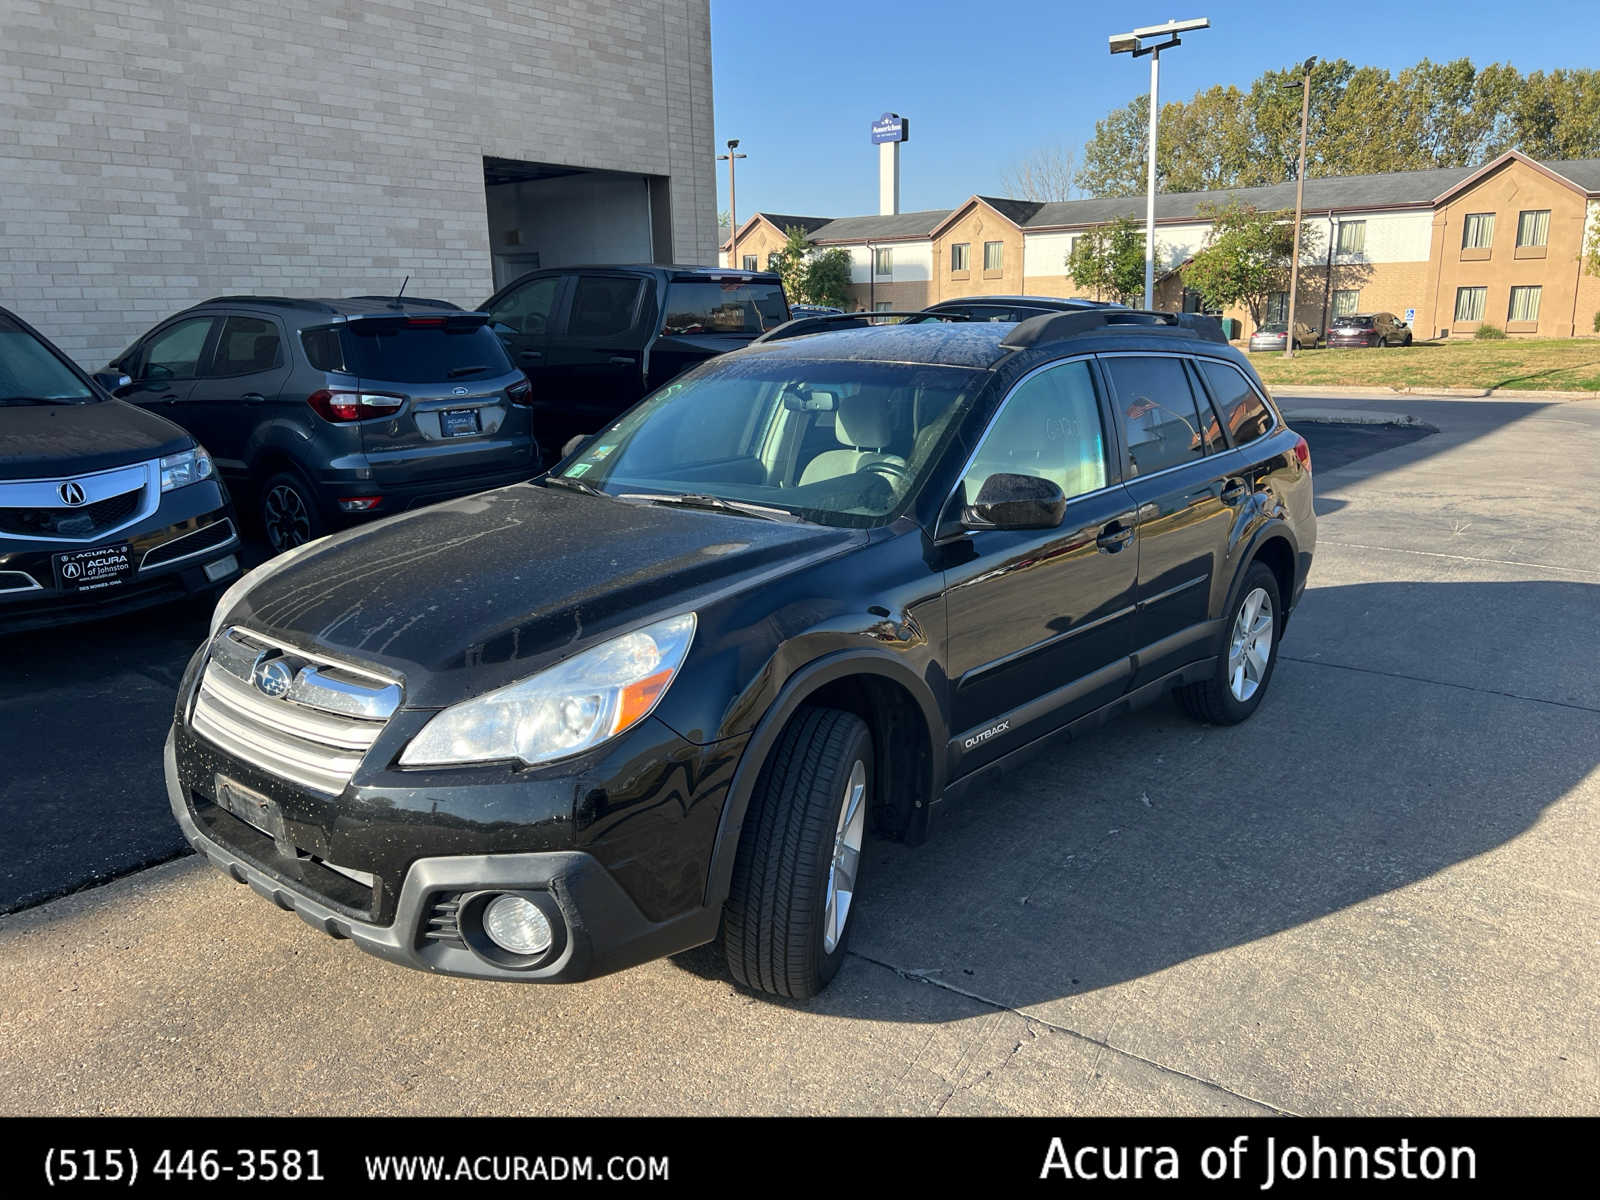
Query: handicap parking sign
point(1411, 316)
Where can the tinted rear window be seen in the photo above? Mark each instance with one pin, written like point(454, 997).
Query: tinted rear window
point(724, 306)
point(410, 354)
point(1354, 322)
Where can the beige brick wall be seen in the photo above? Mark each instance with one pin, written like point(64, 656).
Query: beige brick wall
point(975, 226)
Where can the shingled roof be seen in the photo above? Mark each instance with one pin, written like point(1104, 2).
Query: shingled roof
point(881, 228)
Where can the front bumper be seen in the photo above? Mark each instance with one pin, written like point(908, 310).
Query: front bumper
point(176, 550)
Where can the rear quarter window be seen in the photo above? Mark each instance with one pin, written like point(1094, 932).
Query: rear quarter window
point(1246, 416)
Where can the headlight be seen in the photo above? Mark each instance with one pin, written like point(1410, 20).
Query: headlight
point(180, 470)
point(249, 580)
point(563, 710)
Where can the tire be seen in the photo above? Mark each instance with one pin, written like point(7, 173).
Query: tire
point(1224, 699)
point(1383, 343)
point(779, 927)
point(288, 511)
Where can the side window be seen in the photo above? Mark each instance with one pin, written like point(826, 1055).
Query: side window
point(603, 306)
point(1241, 408)
point(1050, 427)
point(174, 353)
point(528, 309)
point(1159, 411)
point(247, 345)
point(324, 350)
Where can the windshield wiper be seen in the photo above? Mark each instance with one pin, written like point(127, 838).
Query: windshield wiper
point(45, 399)
point(716, 503)
point(459, 372)
point(576, 485)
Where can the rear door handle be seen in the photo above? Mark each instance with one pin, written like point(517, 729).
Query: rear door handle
point(253, 398)
point(1114, 537)
point(622, 360)
point(1234, 490)
point(530, 355)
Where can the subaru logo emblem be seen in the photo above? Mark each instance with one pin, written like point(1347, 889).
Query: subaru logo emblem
point(460, 391)
point(272, 677)
point(71, 493)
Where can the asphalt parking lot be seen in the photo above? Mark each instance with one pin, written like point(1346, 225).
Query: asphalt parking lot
point(1377, 896)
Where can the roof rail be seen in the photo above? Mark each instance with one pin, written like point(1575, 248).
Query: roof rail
point(801, 326)
point(1054, 327)
point(284, 301)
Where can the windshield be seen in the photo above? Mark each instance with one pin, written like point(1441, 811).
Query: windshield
point(412, 353)
point(724, 306)
point(838, 443)
point(31, 374)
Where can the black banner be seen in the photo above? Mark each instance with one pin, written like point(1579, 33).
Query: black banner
point(167, 1156)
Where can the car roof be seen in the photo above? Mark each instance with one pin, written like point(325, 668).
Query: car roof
point(331, 306)
point(984, 344)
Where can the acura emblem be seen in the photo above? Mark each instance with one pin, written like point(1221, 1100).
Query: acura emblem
point(71, 493)
point(272, 677)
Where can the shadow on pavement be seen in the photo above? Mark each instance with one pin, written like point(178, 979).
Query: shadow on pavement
point(1155, 840)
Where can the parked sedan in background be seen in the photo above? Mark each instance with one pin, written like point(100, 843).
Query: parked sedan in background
point(1369, 329)
point(323, 411)
point(103, 508)
point(1274, 335)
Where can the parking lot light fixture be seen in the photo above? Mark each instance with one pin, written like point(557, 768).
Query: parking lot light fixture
point(1299, 200)
point(733, 207)
point(1152, 40)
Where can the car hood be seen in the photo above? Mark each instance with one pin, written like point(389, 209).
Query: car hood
point(465, 596)
point(46, 441)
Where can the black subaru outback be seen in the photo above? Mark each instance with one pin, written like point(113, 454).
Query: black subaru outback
point(659, 695)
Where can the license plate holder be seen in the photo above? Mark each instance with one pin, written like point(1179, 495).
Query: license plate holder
point(95, 569)
point(459, 422)
point(258, 811)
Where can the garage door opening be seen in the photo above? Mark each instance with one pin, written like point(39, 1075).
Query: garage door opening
point(549, 215)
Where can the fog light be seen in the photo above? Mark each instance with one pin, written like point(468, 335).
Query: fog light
point(360, 503)
point(517, 925)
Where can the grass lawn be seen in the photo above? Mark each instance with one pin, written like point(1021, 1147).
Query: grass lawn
point(1533, 364)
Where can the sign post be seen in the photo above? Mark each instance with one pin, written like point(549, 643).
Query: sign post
point(888, 131)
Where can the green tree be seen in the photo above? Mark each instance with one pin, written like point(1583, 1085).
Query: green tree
point(1246, 256)
point(827, 277)
point(1114, 158)
point(792, 265)
point(1110, 260)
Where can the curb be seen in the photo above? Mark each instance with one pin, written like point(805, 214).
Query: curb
point(1327, 416)
point(1289, 391)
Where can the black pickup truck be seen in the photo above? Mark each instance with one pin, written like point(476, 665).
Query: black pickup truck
point(594, 340)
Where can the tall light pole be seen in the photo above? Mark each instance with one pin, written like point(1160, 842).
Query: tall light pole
point(1299, 198)
point(733, 208)
point(1133, 43)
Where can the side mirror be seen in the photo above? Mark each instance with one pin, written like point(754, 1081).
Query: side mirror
point(1016, 502)
point(573, 442)
point(112, 380)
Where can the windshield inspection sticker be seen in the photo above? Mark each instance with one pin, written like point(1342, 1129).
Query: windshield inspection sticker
point(577, 469)
point(600, 452)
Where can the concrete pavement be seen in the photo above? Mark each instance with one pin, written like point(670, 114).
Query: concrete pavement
point(1377, 896)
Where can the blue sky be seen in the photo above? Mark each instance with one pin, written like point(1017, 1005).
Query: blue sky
point(800, 84)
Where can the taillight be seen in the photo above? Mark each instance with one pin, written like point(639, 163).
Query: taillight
point(1302, 451)
point(520, 393)
point(425, 322)
point(342, 407)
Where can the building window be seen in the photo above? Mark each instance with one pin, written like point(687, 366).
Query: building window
point(1477, 231)
point(774, 260)
point(1345, 303)
point(883, 262)
point(1524, 302)
point(1277, 307)
point(750, 262)
point(1533, 229)
point(1470, 303)
point(883, 306)
point(1352, 237)
point(993, 255)
point(960, 255)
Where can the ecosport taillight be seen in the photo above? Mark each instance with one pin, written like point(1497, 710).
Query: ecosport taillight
point(341, 407)
point(520, 393)
point(1302, 451)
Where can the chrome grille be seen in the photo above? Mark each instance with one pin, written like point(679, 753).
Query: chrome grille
point(105, 502)
point(311, 724)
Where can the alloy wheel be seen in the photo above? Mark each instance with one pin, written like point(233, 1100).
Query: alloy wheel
point(846, 862)
point(287, 520)
point(1250, 647)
